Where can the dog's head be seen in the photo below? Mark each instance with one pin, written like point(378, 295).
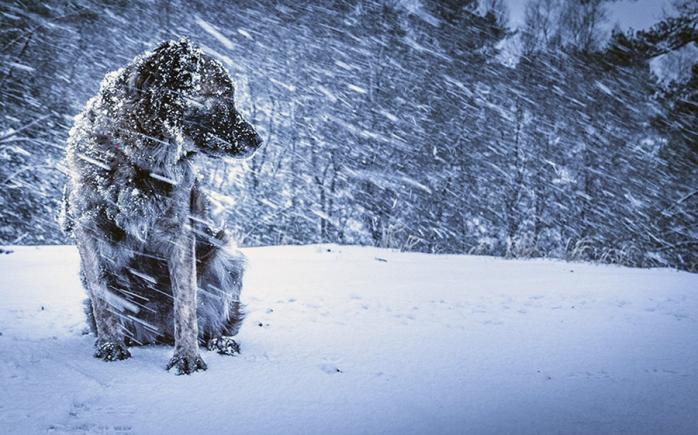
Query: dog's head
point(183, 92)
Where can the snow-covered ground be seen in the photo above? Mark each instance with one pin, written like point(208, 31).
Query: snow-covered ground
point(360, 340)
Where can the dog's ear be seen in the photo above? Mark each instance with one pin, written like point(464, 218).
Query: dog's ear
point(159, 83)
point(169, 66)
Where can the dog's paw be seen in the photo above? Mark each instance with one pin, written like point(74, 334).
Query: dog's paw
point(186, 364)
point(224, 345)
point(111, 351)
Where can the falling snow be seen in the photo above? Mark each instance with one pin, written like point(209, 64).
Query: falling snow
point(412, 125)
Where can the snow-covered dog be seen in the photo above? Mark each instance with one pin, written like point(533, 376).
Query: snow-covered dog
point(154, 268)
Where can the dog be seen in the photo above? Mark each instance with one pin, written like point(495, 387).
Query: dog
point(154, 264)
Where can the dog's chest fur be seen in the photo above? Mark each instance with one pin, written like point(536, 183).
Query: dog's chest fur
point(148, 206)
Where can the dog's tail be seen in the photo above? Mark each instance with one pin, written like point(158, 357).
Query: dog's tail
point(220, 267)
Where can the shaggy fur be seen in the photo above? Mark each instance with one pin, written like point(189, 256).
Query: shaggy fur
point(155, 267)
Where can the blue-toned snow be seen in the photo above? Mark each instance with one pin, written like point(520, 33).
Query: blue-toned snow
point(346, 340)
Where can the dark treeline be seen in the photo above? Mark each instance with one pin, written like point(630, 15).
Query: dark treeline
point(418, 125)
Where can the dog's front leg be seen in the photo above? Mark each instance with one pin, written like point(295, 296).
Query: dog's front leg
point(182, 268)
point(110, 344)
